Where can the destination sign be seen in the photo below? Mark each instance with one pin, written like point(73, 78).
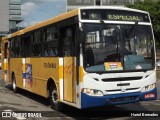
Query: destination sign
point(124, 17)
point(114, 15)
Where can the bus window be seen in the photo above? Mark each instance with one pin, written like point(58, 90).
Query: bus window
point(68, 42)
point(12, 48)
point(51, 33)
point(18, 47)
point(36, 44)
point(27, 45)
point(6, 50)
point(50, 50)
point(50, 38)
point(36, 50)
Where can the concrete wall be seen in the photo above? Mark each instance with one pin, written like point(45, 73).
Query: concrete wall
point(4, 16)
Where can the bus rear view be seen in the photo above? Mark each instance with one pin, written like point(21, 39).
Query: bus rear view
point(118, 56)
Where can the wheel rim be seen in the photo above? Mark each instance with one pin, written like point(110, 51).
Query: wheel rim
point(55, 97)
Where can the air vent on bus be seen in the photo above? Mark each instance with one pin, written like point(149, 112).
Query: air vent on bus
point(121, 79)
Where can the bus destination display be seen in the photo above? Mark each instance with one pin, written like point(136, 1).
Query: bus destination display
point(114, 15)
point(124, 17)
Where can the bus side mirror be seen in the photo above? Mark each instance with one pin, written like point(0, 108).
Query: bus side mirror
point(81, 35)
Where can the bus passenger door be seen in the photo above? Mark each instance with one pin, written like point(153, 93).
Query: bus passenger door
point(69, 70)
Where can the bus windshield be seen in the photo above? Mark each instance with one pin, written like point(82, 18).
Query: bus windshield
point(118, 47)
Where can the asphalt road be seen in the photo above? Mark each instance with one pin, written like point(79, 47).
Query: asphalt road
point(26, 103)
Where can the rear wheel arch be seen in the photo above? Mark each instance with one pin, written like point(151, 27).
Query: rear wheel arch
point(51, 82)
point(53, 95)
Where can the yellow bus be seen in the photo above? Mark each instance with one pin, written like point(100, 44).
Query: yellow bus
point(91, 56)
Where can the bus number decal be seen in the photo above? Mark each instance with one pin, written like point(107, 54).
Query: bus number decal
point(50, 65)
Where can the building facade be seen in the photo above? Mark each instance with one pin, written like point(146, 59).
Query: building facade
point(4, 19)
point(10, 12)
point(14, 14)
point(72, 4)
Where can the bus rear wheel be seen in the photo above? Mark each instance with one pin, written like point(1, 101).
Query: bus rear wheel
point(53, 98)
point(14, 86)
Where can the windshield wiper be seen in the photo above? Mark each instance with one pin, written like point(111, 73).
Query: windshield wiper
point(104, 24)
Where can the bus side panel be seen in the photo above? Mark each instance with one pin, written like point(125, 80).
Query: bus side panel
point(68, 79)
point(42, 69)
point(16, 67)
point(51, 70)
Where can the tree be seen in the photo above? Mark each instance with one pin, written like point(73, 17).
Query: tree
point(153, 7)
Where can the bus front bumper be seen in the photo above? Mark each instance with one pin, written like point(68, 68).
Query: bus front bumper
point(116, 99)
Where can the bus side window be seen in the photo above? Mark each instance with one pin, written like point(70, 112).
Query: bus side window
point(27, 45)
point(15, 47)
point(6, 50)
point(12, 48)
point(36, 44)
point(68, 42)
point(50, 39)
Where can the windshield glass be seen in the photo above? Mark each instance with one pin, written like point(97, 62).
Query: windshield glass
point(118, 47)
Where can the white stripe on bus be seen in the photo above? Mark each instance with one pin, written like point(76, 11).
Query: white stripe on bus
point(61, 89)
point(60, 61)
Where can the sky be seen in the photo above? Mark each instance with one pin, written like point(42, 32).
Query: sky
point(35, 11)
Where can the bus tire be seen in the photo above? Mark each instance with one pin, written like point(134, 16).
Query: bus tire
point(14, 86)
point(53, 98)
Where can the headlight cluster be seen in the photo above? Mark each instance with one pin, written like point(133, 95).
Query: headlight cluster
point(149, 87)
point(92, 92)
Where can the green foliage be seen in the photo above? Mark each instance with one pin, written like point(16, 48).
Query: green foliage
point(153, 7)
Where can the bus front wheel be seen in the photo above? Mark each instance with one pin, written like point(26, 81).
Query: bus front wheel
point(53, 98)
point(14, 86)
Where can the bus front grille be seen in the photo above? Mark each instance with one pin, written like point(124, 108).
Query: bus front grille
point(119, 90)
point(121, 79)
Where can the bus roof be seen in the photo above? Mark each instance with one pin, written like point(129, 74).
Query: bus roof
point(42, 24)
point(65, 16)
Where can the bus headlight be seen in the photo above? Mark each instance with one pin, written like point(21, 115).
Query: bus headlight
point(149, 87)
point(92, 92)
